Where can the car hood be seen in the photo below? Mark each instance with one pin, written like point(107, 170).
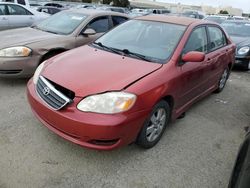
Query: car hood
point(23, 36)
point(88, 71)
point(241, 41)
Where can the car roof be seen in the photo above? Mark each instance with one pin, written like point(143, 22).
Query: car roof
point(95, 12)
point(236, 21)
point(171, 19)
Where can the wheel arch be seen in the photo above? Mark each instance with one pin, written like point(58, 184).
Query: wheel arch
point(51, 53)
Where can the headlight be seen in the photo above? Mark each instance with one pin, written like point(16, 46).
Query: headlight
point(108, 103)
point(38, 72)
point(20, 51)
point(243, 50)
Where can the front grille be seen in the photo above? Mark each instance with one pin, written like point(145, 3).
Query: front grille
point(53, 97)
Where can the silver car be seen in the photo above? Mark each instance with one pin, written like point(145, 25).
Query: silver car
point(14, 15)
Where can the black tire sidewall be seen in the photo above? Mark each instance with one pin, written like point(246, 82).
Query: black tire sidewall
point(142, 138)
point(218, 90)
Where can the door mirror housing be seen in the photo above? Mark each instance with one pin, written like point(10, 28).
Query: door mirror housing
point(193, 56)
point(89, 31)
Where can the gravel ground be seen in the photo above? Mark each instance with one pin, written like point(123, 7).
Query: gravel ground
point(197, 151)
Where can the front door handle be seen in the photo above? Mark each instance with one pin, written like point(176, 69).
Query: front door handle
point(4, 18)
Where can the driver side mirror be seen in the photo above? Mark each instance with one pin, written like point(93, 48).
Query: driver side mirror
point(89, 31)
point(193, 56)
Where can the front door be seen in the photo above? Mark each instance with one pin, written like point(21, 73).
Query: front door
point(19, 16)
point(193, 73)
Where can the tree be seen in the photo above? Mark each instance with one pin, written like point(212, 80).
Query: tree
point(223, 12)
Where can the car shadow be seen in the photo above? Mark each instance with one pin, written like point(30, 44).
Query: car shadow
point(13, 82)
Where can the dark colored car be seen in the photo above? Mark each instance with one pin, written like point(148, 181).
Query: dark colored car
point(49, 9)
point(239, 31)
point(130, 83)
point(20, 55)
point(241, 173)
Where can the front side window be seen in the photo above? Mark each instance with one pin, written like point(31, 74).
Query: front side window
point(17, 10)
point(217, 38)
point(62, 23)
point(100, 25)
point(197, 41)
point(154, 40)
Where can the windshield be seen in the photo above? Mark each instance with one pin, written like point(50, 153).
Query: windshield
point(62, 23)
point(237, 28)
point(153, 40)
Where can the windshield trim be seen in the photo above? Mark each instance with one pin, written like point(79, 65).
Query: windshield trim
point(154, 60)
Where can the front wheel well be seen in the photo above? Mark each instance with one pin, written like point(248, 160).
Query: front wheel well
point(170, 100)
point(51, 53)
point(230, 66)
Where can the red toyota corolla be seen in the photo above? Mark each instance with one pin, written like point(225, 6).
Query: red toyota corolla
point(128, 84)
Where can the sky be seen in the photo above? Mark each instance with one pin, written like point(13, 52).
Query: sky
point(242, 4)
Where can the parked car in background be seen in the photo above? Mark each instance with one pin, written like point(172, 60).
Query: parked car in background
point(139, 12)
point(237, 18)
point(21, 54)
point(216, 18)
point(21, 2)
point(54, 4)
point(239, 31)
point(15, 16)
point(194, 14)
point(143, 77)
point(49, 9)
point(161, 11)
point(115, 9)
point(240, 177)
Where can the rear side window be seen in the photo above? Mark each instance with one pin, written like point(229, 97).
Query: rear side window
point(117, 20)
point(197, 41)
point(17, 10)
point(100, 25)
point(217, 38)
point(2, 10)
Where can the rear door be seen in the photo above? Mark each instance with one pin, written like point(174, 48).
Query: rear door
point(218, 54)
point(19, 16)
point(193, 73)
point(100, 24)
point(4, 20)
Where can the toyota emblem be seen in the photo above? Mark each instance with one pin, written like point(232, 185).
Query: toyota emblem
point(46, 91)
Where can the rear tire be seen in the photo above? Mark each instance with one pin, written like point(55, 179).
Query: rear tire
point(223, 80)
point(155, 125)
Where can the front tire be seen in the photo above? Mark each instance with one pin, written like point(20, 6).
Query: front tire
point(154, 125)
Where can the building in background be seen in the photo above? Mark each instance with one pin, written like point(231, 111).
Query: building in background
point(179, 8)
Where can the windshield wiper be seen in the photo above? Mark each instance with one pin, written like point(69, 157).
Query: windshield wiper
point(107, 48)
point(142, 57)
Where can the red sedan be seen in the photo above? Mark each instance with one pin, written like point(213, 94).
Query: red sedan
point(127, 85)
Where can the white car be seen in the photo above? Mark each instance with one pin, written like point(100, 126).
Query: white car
point(14, 16)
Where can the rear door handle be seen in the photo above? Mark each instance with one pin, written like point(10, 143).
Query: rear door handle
point(4, 18)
